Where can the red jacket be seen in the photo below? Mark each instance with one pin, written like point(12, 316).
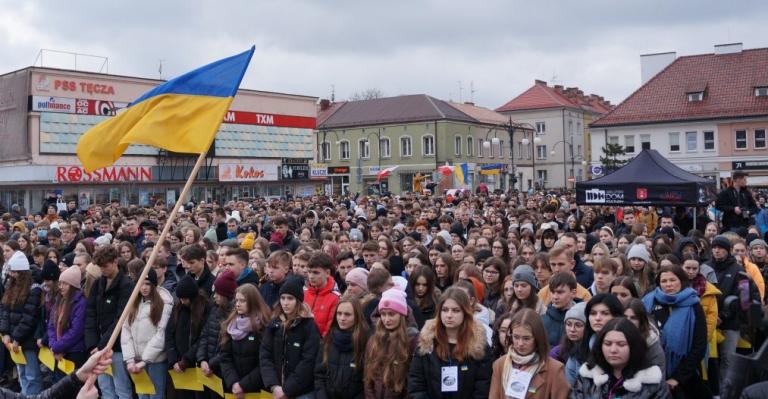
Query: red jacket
point(323, 303)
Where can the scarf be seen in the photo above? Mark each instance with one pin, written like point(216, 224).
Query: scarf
point(239, 328)
point(342, 340)
point(246, 272)
point(529, 363)
point(677, 333)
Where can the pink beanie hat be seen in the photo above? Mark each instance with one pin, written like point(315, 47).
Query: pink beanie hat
point(394, 299)
point(71, 276)
point(358, 276)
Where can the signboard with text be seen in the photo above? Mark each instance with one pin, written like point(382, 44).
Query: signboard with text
point(251, 171)
point(112, 174)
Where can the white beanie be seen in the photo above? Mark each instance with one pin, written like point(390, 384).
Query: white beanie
point(106, 239)
point(639, 251)
point(18, 262)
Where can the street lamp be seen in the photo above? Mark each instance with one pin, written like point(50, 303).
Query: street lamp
point(377, 133)
point(573, 157)
point(525, 142)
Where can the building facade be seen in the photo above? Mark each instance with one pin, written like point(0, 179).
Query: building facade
point(263, 148)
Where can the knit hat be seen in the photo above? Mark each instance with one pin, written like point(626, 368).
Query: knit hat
point(722, 242)
point(525, 273)
point(225, 284)
point(50, 271)
point(394, 299)
point(152, 277)
point(358, 276)
point(758, 243)
point(18, 262)
point(106, 239)
point(482, 255)
point(211, 236)
point(446, 236)
point(68, 259)
point(639, 251)
point(356, 235)
point(187, 288)
point(248, 242)
point(577, 312)
point(400, 282)
point(71, 276)
point(92, 270)
point(294, 286)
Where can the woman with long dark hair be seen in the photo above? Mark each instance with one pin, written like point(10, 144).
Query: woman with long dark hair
point(599, 310)
point(635, 312)
point(444, 270)
point(425, 294)
point(340, 364)
point(208, 348)
point(450, 342)
point(494, 273)
point(66, 322)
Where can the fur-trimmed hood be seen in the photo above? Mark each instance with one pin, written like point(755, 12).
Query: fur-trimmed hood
point(651, 375)
point(477, 343)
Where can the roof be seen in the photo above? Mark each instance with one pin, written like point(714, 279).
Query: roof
point(728, 82)
point(542, 96)
point(400, 109)
point(481, 114)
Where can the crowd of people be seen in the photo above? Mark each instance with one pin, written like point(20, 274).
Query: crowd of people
point(492, 295)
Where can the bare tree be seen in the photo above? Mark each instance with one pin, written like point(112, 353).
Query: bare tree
point(367, 94)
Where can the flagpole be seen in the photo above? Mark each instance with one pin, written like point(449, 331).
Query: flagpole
point(155, 248)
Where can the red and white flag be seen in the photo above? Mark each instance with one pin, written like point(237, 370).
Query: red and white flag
point(385, 172)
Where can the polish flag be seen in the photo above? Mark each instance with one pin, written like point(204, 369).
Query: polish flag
point(386, 172)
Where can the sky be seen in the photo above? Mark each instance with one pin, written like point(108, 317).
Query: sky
point(486, 51)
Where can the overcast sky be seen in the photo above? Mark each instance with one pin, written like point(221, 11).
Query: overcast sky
point(398, 46)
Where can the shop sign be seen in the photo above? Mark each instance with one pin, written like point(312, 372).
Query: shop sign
point(294, 171)
point(256, 118)
point(318, 171)
point(80, 106)
point(252, 171)
point(338, 170)
point(112, 174)
point(372, 170)
point(597, 196)
point(74, 86)
point(749, 165)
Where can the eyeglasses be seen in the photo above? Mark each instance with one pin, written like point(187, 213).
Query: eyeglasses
point(490, 272)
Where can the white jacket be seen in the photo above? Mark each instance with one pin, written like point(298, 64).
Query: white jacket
point(142, 340)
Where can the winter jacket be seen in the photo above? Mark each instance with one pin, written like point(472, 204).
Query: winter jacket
point(688, 367)
point(582, 293)
point(548, 383)
point(322, 302)
point(205, 282)
point(104, 307)
point(180, 340)
point(554, 324)
point(376, 388)
point(142, 340)
point(72, 338)
point(66, 388)
point(424, 379)
point(584, 274)
point(20, 322)
point(208, 345)
point(341, 378)
point(288, 243)
point(655, 355)
point(729, 274)
point(595, 383)
point(709, 305)
point(240, 363)
point(271, 291)
point(757, 277)
point(287, 355)
point(729, 199)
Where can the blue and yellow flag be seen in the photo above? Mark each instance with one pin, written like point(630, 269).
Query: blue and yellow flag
point(181, 115)
point(491, 169)
point(462, 173)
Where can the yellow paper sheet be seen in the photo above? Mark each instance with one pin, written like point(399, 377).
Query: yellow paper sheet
point(186, 380)
point(143, 383)
point(213, 382)
point(109, 371)
point(17, 357)
point(259, 395)
point(46, 357)
point(67, 366)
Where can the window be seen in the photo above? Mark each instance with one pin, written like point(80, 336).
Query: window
point(501, 148)
point(470, 146)
point(364, 149)
point(326, 151)
point(541, 128)
point(570, 127)
point(428, 142)
point(542, 175)
point(541, 152)
point(578, 150)
point(759, 138)
point(674, 142)
point(691, 141)
point(629, 144)
point(645, 141)
point(384, 148)
point(457, 146)
point(761, 91)
point(520, 150)
point(405, 147)
point(709, 141)
point(480, 152)
point(344, 149)
point(741, 139)
point(578, 128)
point(696, 96)
point(613, 140)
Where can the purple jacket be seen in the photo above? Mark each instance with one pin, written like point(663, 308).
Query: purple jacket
point(73, 339)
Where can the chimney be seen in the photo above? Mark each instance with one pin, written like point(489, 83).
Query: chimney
point(559, 88)
point(469, 103)
point(730, 48)
point(651, 64)
point(325, 104)
point(540, 82)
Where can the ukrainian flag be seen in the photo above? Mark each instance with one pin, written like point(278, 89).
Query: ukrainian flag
point(181, 115)
point(462, 173)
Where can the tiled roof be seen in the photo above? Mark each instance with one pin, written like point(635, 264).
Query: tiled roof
point(400, 109)
point(542, 96)
point(728, 81)
point(481, 114)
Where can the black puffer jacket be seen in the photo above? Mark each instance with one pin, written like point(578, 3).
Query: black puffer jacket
point(342, 377)
point(288, 357)
point(104, 307)
point(20, 322)
point(208, 344)
point(66, 388)
point(240, 363)
point(181, 339)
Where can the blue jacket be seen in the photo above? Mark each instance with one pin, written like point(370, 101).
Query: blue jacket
point(584, 274)
point(554, 324)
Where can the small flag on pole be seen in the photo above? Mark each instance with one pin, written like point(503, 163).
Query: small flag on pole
point(385, 172)
point(462, 173)
point(181, 115)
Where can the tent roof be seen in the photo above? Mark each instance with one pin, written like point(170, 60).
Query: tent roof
point(649, 167)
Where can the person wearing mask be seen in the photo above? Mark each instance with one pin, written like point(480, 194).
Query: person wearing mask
point(340, 363)
point(526, 370)
point(450, 342)
point(289, 345)
point(240, 342)
point(108, 297)
point(617, 368)
point(208, 347)
point(20, 312)
point(184, 328)
point(66, 323)
point(143, 336)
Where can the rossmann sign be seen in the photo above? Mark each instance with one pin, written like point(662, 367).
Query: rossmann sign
point(112, 174)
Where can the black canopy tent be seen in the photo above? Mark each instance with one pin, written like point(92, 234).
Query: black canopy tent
point(649, 180)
